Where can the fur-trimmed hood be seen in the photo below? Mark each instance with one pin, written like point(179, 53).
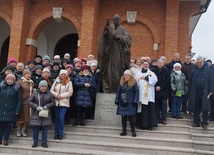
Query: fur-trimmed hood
point(131, 81)
point(81, 74)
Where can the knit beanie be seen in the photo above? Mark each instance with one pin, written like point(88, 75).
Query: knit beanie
point(57, 57)
point(66, 55)
point(12, 60)
point(10, 76)
point(46, 57)
point(93, 64)
point(63, 71)
point(69, 66)
point(85, 67)
point(38, 67)
point(38, 56)
point(30, 62)
point(43, 83)
point(46, 70)
point(8, 67)
point(90, 55)
point(177, 64)
point(127, 72)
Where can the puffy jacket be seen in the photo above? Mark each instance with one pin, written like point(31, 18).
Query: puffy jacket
point(83, 97)
point(178, 82)
point(132, 90)
point(10, 101)
point(46, 99)
point(64, 90)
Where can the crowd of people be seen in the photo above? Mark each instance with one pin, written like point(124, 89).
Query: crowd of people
point(65, 89)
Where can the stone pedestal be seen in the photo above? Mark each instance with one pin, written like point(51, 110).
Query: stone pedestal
point(105, 111)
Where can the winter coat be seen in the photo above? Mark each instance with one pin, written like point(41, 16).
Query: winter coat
point(186, 69)
point(18, 74)
point(24, 115)
point(163, 76)
point(10, 101)
point(132, 90)
point(54, 74)
point(64, 90)
point(178, 82)
point(36, 79)
point(83, 97)
point(46, 99)
point(97, 78)
point(208, 87)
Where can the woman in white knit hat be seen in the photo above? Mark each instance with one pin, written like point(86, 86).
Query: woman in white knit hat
point(62, 90)
point(178, 82)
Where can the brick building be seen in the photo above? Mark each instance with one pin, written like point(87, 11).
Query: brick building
point(28, 27)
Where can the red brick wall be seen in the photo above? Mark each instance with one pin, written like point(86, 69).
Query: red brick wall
point(149, 28)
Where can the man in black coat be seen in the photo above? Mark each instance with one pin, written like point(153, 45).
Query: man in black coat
point(201, 87)
point(161, 91)
point(187, 67)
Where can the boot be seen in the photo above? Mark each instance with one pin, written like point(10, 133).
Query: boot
point(124, 120)
point(77, 120)
point(24, 132)
point(82, 122)
point(18, 134)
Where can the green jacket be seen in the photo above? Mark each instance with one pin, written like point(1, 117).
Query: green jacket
point(178, 82)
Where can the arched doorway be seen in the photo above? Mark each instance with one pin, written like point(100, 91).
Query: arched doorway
point(67, 44)
point(4, 53)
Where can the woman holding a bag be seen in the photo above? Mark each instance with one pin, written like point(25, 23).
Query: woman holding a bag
point(41, 100)
point(127, 98)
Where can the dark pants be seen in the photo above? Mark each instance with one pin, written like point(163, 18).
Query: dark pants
point(184, 103)
point(36, 133)
point(5, 129)
point(81, 112)
point(176, 105)
point(212, 108)
point(161, 105)
point(59, 120)
point(131, 121)
point(149, 118)
point(198, 109)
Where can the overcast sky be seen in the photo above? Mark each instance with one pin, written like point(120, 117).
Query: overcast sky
point(203, 35)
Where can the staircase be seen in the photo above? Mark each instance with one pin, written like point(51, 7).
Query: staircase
point(175, 138)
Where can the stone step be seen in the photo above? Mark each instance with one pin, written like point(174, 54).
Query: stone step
point(109, 146)
point(206, 146)
point(140, 133)
point(202, 137)
point(27, 150)
point(156, 141)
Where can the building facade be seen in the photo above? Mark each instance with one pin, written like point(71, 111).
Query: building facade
point(30, 27)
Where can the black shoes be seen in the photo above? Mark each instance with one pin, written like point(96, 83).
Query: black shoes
point(5, 143)
point(196, 125)
point(122, 133)
point(56, 137)
point(164, 122)
point(35, 144)
point(60, 137)
point(204, 126)
point(177, 117)
point(134, 134)
point(44, 145)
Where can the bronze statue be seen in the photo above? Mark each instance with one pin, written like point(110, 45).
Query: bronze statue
point(114, 54)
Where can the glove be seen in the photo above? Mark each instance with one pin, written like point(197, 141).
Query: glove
point(116, 103)
point(45, 108)
point(39, 108)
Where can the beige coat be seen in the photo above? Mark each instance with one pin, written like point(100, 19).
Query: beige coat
point(65, 91)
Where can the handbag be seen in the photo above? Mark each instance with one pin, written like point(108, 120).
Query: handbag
point(43, 113)
point(124, 98)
